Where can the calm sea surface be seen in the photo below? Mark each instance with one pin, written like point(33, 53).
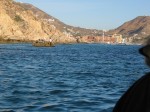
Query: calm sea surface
point(66, 78)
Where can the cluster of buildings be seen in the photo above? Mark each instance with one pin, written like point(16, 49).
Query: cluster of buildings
point(110, 39)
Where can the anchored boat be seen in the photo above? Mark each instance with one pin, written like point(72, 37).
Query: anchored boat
point(42, 43)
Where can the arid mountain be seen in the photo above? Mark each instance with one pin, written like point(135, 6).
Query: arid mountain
point(138, 28)
point(58, 24)
point(25, 22)
point(16, 22)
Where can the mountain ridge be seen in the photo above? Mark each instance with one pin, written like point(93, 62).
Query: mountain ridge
point(137, 28)
point(24, 21)
point(60, 25)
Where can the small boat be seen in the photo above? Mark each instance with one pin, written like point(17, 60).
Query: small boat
point(42, 43)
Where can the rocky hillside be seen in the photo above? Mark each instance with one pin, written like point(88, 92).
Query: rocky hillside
point(17, 22)
point(22, 21)
point(58, 24)
point(25, 22)
point(138, 28)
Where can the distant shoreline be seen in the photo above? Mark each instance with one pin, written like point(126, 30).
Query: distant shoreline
point(15, 41)
point(11, 41)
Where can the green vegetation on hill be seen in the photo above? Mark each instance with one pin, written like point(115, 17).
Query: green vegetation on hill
point(18, 18)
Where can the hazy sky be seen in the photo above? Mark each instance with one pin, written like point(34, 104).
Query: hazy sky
point(97, 14)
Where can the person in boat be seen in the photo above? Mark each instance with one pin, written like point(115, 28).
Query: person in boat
point(50, 40)
point(137, 97)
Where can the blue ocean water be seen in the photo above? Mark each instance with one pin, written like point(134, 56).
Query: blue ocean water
point(66, 78)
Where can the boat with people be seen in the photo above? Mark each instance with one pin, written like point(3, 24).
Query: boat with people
point(43, 43)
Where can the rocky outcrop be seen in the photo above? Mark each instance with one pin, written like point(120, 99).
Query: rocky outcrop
point(20, 23)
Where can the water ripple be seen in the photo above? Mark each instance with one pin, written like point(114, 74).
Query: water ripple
point(66, 78)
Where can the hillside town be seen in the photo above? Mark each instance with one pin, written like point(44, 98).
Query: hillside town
point(103, 38)
point(109, 39)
